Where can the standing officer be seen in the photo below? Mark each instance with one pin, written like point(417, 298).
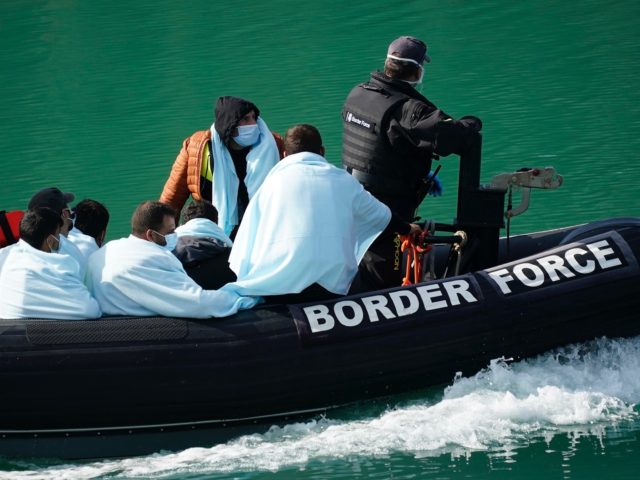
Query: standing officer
point(391, 135)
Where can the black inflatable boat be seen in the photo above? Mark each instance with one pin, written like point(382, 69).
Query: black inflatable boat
point(126, 386)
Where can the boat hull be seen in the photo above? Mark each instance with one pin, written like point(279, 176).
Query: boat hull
point(125, 386)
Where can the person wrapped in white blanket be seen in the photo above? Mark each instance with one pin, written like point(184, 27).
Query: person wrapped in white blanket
point(307, 227)
point(36, 281)
point(203, 248)
point(58, 201)
point(89, 226)
point(225, 164)
point(139, 275)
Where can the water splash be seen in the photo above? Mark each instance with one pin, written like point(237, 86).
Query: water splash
point(603, 365)
point(577, 391)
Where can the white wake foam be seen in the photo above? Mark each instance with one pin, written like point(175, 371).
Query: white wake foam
point(580, 389)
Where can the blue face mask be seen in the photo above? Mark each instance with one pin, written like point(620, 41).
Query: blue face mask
point(170, 239)
point(247, 135)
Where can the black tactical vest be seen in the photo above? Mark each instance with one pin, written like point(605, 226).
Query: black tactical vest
point(366, 151)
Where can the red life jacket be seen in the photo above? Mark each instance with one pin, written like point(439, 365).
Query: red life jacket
point(10, 227)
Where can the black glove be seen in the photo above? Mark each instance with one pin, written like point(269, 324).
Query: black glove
point(472, 122)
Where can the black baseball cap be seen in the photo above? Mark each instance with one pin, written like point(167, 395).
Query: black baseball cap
point(51, 197)
point(409, 49)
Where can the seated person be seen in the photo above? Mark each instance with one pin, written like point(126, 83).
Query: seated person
point(226, 163)
point(89, 227)
point(58, 201)
point(139, 275)
point(38, 282)
point(307, 228)
point(203, 248)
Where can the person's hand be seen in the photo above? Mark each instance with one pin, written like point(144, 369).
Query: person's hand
point(436, 186)
point(415, 229)
point(472, 122)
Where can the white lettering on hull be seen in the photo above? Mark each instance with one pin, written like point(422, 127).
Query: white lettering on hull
point(574, 262)
point(389, 306)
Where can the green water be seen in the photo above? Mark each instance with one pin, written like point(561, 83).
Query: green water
point(97, 97)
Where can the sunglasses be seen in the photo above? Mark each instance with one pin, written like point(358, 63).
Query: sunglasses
point(70, 213)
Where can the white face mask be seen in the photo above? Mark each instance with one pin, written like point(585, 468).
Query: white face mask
point(51, 241)
point(418, 83)
point(247, 135)
point(170, 239)
point(68, 217)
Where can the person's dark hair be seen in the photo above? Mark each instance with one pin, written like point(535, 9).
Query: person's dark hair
point(150, 216)
point(200, 209)
point(38, 224)
point(92, 217)
point(303, 138)
point(399, 69)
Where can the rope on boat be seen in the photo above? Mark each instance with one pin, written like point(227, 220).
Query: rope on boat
point(415, 249)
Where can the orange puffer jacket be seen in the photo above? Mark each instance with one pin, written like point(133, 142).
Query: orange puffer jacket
point(184, 179)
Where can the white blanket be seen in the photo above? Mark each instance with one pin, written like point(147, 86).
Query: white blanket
point(310, 222)
point(67, 247)
point(203, 227)
point(132, 276)
point(260, 159)
point(85, 243)
point(37, 284)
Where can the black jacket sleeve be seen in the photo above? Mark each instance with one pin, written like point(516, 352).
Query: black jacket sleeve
point(423, 126)
point(397, 225)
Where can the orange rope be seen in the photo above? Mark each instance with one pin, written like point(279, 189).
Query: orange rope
point(415, 252)
point(408, 246)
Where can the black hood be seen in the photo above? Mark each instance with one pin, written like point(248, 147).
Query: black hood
point(229, 111)
point(192, 250)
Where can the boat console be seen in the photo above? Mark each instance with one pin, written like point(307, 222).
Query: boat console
point(481, 213)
